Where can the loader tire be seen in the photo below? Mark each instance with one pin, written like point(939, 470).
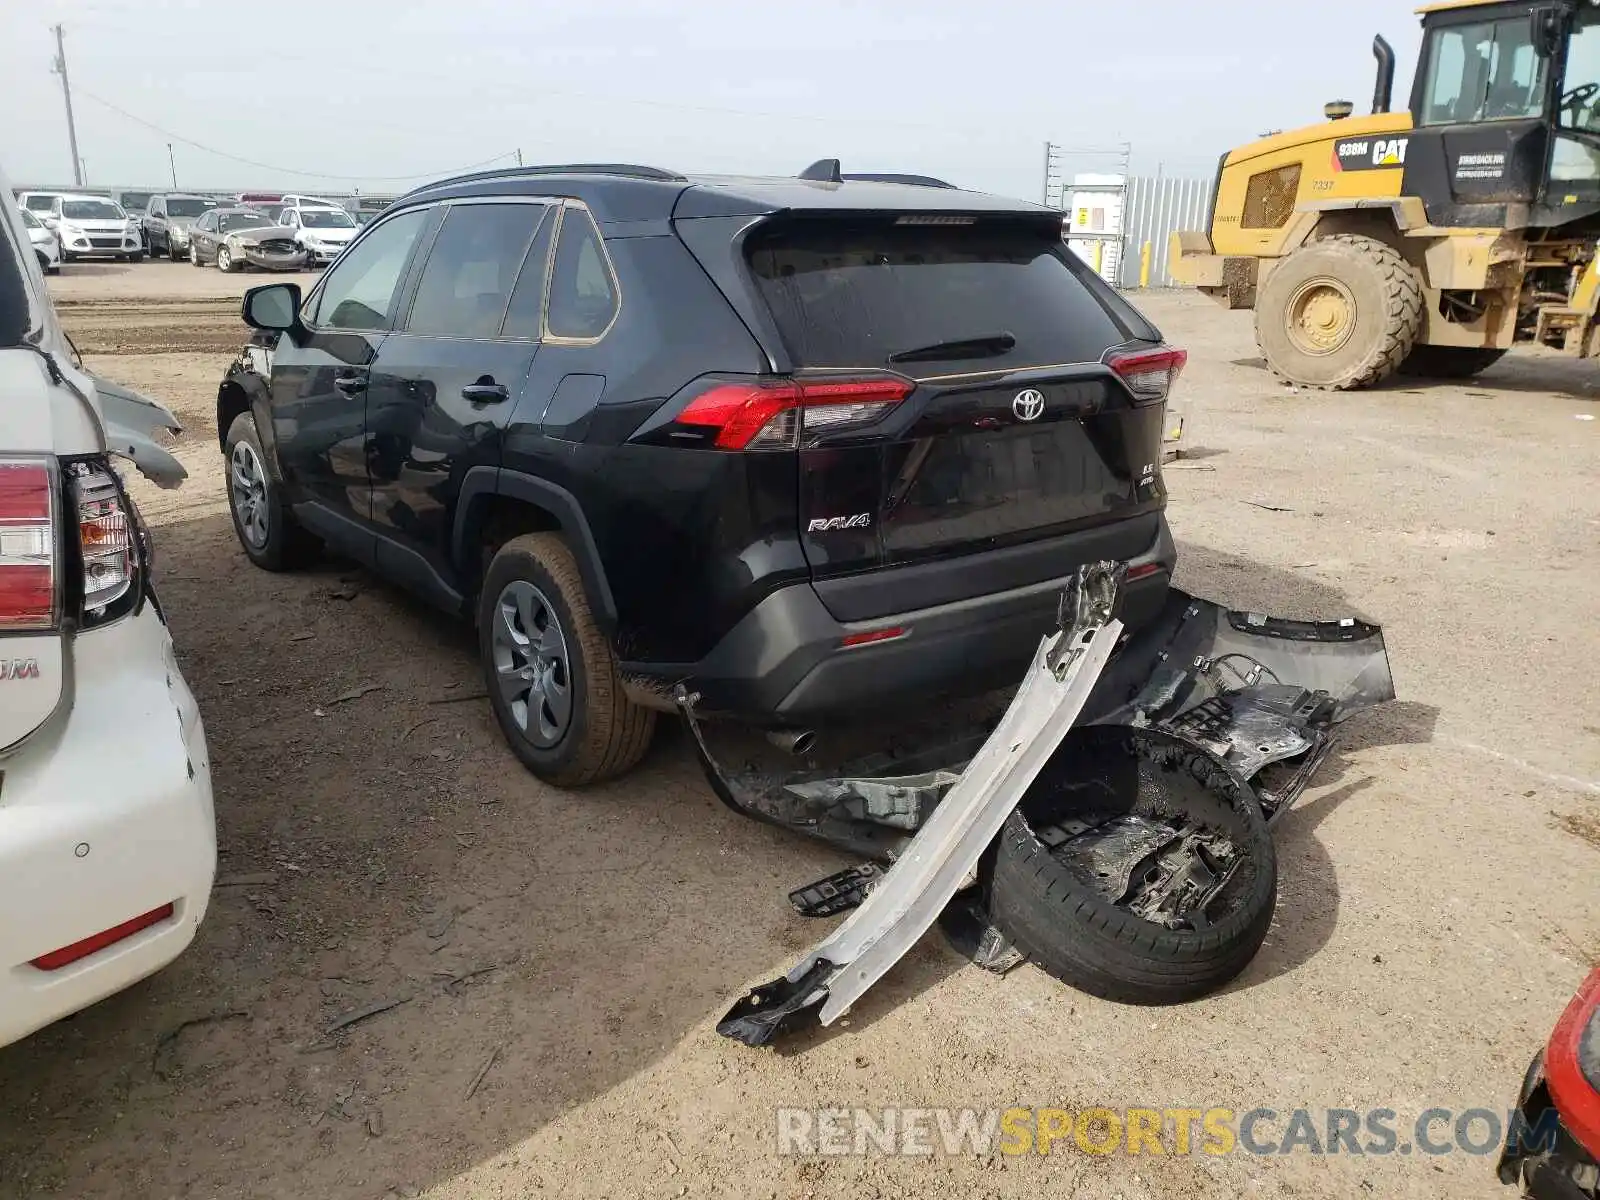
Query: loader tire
point(1450, 362)
point(1340, 313)
point(1041, 899)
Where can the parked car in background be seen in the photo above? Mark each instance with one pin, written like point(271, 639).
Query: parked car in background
point(107, 833)
point(168, 219)
point(133, 203)
point(291, 200)
point(324, 232)
point(235, 238)
point(38, 203)
point(806, 447)
point(94, 227)
point(46, 246)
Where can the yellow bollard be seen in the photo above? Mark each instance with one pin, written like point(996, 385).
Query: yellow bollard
point(1099, 254)
point(1144, 265)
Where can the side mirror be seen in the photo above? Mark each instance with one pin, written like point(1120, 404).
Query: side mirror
point(1546, 31)
point(273, 306)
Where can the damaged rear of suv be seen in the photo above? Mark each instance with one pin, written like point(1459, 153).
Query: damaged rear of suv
point(807, 446)
point(107, 834)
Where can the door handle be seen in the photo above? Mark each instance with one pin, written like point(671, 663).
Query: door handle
point(485, 393)
point(350, 385)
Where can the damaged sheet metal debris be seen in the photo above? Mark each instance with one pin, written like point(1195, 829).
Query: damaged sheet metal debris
point(1245, 705)
point(934, 866)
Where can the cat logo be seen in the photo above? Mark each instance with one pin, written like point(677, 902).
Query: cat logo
point(1389, 152)
point(1369, 154)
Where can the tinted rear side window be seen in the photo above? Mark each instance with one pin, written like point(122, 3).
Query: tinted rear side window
point(471, 270)
point(857, 293)
point(583, 291)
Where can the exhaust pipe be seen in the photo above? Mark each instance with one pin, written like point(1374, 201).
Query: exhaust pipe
point(795, 741)
point(1383, 91)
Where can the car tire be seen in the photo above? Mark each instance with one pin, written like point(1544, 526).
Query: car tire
point(266, 529)
point(136, 256)
point(1072, 930)
point(225, 262)
point(194, 255)
point(1339, 314)
point(172, 253)
point(535, 627)
point(1449, 362)
point(53, 270)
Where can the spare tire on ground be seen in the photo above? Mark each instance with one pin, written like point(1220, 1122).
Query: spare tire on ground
point(1137, 868)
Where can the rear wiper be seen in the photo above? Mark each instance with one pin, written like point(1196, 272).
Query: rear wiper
point(984, 346)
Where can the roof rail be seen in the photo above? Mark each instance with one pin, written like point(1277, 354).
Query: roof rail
point(626, 170)
point(909, 180)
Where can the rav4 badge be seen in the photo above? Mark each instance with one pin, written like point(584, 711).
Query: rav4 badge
point(826, 524)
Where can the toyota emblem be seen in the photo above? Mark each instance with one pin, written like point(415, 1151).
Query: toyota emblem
point(1028, 404)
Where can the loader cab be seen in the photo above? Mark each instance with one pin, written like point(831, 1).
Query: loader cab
point(1506, 114)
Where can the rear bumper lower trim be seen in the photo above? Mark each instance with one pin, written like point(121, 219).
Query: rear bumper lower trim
point(786, 663)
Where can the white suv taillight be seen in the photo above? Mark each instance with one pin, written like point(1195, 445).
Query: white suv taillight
point(107, 537)
point(27, 545)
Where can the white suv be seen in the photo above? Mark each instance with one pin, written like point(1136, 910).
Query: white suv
point(322, 229)
point(92, 226)
point(107, 835)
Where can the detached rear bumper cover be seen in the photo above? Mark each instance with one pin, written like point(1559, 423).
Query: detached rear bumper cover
point(1260, 694)
point(933, 868)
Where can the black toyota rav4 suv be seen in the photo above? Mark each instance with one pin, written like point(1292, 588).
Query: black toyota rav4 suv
point(806, 445)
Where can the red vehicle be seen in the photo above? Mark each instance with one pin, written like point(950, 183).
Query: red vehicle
point(1554, 1152)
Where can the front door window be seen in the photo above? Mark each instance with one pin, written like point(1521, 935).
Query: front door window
point(1485, 71)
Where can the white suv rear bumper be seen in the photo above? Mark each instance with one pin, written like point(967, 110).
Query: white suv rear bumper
point(105, 815)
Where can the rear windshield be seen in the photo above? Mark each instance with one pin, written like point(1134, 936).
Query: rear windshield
point(241, 220)
point(41, 201)
point(861, 293)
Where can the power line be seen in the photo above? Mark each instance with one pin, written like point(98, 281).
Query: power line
point(178, 137)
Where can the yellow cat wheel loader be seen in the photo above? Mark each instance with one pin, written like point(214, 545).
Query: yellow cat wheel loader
point(1429, 240)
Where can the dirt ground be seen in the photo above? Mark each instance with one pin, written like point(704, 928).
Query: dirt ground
point(1437, 906)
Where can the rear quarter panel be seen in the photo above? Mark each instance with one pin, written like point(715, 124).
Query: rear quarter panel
point(688, 540)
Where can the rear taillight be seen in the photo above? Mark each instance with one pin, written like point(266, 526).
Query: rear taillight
point(27, 545)
point(1149, 374)
point(783, 414)
point(1572, 1066)
point(107, 537)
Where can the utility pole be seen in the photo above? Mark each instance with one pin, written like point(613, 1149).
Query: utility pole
point(519, 156)
point(172, 165)
point(60, 68)
point(1052, 164)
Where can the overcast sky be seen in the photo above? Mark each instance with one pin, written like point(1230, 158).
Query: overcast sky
point(384, 94)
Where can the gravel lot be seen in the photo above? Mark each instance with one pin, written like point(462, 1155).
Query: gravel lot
point(1438, 895)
